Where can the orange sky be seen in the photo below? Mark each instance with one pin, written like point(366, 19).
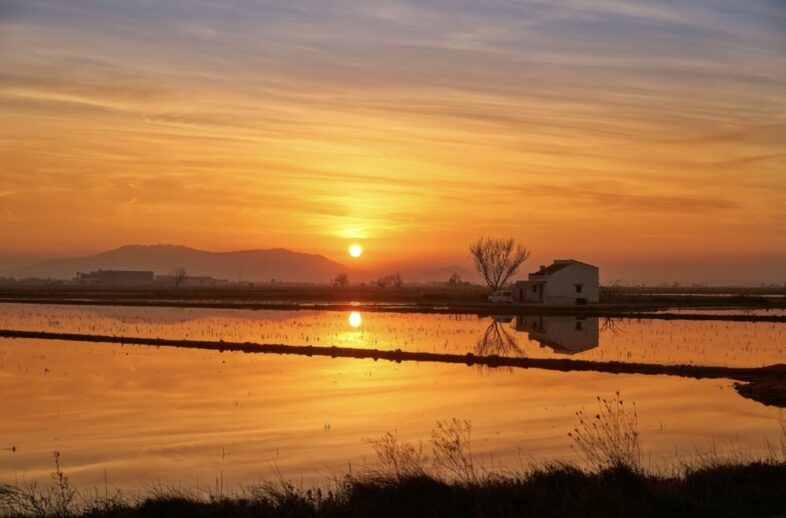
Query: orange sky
point(622, 133)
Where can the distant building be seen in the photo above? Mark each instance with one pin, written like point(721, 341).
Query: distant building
point(566, 282)
point(563, 334)
point(115, 277)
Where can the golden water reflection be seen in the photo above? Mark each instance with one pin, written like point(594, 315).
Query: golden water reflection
point(146, 414)
point(355, 319)
point(651, 341)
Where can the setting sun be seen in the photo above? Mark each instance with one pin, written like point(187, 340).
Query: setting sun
point(355, 250)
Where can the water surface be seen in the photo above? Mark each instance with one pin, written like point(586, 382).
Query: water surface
point(146, 414)
point(141, 414)
point(733, 344)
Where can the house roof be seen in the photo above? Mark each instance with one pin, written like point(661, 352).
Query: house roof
point(551, 269)
point(557, 266)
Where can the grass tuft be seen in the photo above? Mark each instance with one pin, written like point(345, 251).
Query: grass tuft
point(609, 437)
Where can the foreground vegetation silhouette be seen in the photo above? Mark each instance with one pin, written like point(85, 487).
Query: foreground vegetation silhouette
point(444, 478)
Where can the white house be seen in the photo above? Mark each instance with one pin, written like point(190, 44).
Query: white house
point(566, 282)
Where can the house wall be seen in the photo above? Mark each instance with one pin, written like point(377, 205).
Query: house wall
point(560, 287)
point(522, 291)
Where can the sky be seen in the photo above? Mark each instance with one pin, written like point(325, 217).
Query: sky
point(647, 137)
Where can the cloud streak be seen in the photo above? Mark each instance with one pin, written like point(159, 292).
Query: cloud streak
point(274, 124)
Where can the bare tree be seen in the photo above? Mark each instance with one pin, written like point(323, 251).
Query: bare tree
point(341, 280)
point(394, 279)
point(397, 280)
point(611, 292)
point(497, 259)
point(178, 276)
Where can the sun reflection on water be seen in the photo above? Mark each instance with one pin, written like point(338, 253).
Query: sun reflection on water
point(355, 319)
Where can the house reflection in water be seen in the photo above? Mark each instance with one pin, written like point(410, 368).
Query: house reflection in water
point(563, 334)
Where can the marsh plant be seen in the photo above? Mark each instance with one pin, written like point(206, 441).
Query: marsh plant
point(451, 445)
point(451, 454)
point(398, 459)
point(56, 499)
point(609, 437)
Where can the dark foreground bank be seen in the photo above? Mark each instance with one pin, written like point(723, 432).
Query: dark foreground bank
point(750, 490)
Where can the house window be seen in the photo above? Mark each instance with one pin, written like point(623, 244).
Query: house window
point(579, 287)
point(535, 288)
point(579, 325)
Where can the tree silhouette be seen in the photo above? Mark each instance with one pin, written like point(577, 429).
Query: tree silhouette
point(394, 279)
point(611, 292)
point(341, 280)
point(497, 259)
point(178, 276)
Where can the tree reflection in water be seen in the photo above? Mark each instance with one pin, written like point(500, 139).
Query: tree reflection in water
point(609, 324)
point(497, 340)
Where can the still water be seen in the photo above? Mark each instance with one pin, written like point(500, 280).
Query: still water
point(734, 344)
point(136, 415)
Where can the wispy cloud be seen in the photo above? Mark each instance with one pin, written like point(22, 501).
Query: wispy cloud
point(430, 119)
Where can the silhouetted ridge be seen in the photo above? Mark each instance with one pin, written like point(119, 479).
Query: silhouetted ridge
point(245, 265)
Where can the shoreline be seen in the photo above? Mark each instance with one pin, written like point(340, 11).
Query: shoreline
point(616, 311)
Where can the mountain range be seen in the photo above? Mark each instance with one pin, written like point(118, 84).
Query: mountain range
point(244, 265)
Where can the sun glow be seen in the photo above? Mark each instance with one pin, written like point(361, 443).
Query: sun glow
point(355, 319)
point(355, 250)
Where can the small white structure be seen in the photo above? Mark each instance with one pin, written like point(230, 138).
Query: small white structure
point(566, 282)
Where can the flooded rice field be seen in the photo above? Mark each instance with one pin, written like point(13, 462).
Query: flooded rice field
point(694, 342)
point(137, 415)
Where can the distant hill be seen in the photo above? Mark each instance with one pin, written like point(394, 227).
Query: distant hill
point(246, 265)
